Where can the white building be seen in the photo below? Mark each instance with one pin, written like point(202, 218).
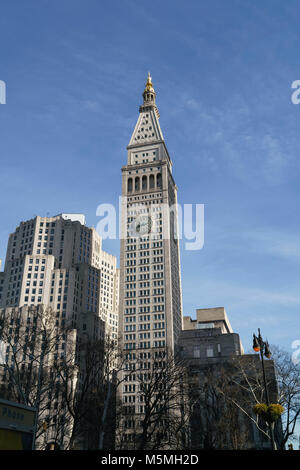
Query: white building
point(150, 284)
point(59, 262)
point(57, 265)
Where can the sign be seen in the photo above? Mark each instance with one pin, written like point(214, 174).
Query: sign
point(17, 426)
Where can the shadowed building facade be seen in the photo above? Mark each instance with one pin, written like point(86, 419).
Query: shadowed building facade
point(220, 375)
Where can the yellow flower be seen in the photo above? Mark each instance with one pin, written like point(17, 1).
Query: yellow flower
point(269, 413)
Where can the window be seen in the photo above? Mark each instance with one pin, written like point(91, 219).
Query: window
point(196, 351)
point(151, 181)
point(202, 326)
point(209, 352)
point(144, 183)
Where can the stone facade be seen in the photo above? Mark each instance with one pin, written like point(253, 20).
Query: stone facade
point(57, 265)
point(150, 313)
point(209, 336)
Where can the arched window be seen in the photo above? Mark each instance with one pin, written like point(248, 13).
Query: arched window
point(137, 184)
point(151, 181)
point(144, 183)
point(158, 180)
point(129, 185)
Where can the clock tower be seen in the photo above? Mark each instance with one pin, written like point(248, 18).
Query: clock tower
point(150, 317)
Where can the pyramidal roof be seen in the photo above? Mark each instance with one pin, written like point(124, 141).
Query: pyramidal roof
point(147, 129)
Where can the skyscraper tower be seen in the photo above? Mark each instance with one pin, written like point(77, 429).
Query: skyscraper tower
point(150, 285)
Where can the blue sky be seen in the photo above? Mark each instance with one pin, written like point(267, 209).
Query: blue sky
point(75, 71)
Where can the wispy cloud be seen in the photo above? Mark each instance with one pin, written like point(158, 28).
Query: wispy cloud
point(216, 291)
point(236, 136)
point(274, 242)
point(263, 241)
point(276, 159)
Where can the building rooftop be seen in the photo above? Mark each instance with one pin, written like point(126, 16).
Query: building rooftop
point(73, 217)
point(208, 318)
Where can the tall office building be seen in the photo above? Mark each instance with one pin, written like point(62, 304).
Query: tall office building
point(59, 262)
point(150, 285)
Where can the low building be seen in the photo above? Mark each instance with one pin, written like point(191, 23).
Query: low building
point(220, 378)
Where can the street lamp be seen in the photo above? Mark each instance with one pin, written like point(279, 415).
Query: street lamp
point(263, 348)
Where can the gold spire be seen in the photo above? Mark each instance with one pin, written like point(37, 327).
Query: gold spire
point(149, 86)
point(149, 96)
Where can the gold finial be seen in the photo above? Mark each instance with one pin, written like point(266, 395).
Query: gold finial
point(149, 86)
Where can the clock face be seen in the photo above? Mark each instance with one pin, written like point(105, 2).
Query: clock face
point(141, 226)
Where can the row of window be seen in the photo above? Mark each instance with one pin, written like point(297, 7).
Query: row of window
point(144, 284)
point(145, 345)
point(141, 318)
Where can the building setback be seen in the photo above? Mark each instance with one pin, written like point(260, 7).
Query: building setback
point(210, 335)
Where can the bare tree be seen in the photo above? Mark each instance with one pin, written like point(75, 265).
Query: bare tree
point(160, 418)
point(283, 383)
point(93, 405)
point(216, 423)
point(247, 389)
point(288, 383)
point(70, 379)
point(34, 344)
